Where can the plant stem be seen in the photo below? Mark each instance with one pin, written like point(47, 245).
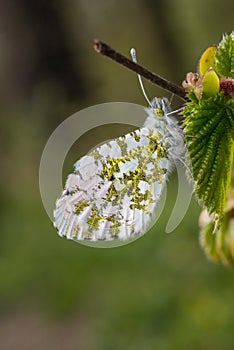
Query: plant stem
point(106, 50)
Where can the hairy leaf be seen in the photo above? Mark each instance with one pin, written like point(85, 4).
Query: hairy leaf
point(209, 129)
point(224, 58)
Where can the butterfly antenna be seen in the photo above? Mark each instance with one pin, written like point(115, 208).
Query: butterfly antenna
point(133, 54)
point(171, 99)
point(176, 111)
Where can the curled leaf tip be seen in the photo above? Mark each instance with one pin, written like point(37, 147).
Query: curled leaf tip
point(219, 245)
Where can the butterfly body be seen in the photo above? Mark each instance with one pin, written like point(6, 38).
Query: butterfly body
point(114, 190)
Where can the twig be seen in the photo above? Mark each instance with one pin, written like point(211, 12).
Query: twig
point(106, 50)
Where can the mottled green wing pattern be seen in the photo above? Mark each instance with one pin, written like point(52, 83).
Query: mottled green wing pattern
point(113, 191)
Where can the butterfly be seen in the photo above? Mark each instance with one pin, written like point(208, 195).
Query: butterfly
point(114, 190)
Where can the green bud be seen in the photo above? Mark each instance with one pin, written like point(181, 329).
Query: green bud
point(207, 60)
point(210, 84)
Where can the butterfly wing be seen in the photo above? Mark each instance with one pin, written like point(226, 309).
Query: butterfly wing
point(113, 191)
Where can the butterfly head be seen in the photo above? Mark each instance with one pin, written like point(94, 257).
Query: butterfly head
point(160, 106)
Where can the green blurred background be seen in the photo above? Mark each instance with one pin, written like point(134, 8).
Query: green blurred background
point(159, 292)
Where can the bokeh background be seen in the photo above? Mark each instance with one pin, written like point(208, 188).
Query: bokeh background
point(159, 292)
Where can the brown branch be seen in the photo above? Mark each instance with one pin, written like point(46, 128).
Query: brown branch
point(106, 50)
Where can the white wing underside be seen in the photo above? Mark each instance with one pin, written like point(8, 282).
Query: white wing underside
point(113, 191)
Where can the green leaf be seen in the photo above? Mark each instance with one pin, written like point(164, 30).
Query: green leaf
point(219, 246)
point(207, 240)
point(209, 130)
point(224, 58)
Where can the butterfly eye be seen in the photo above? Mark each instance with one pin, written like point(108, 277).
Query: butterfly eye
point(158, 112)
